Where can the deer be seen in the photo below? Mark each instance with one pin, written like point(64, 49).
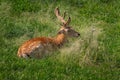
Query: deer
point(38, 47)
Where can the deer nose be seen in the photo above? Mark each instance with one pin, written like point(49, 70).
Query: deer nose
point(78, 34)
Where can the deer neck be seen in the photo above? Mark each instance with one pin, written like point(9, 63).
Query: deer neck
point(60, 39)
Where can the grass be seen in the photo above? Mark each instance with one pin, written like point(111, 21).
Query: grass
point(93, 56)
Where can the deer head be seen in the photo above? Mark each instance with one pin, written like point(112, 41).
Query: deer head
point(65, 28)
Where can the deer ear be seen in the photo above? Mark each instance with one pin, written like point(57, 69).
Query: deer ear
point(61, 31)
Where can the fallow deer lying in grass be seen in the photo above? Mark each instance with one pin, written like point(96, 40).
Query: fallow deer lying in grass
point(37, 47)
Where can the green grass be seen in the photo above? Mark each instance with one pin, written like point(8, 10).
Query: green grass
point(93, 56)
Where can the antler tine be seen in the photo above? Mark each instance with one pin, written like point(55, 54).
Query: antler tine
point(64, 14)
point(57, 12)
point(68, 21)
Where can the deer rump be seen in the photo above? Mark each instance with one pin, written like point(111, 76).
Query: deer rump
point(37, 48)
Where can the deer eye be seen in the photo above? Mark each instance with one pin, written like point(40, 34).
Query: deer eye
point(69, 30)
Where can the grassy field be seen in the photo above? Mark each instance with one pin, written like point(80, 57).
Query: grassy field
point(93, 56)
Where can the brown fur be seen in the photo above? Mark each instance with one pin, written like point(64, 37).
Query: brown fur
point(46, 43)
point(38, 47)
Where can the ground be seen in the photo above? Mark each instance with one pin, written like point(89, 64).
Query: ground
point(93, 56)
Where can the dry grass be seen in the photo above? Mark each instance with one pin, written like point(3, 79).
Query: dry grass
point(84, 50)
point(98, 46)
